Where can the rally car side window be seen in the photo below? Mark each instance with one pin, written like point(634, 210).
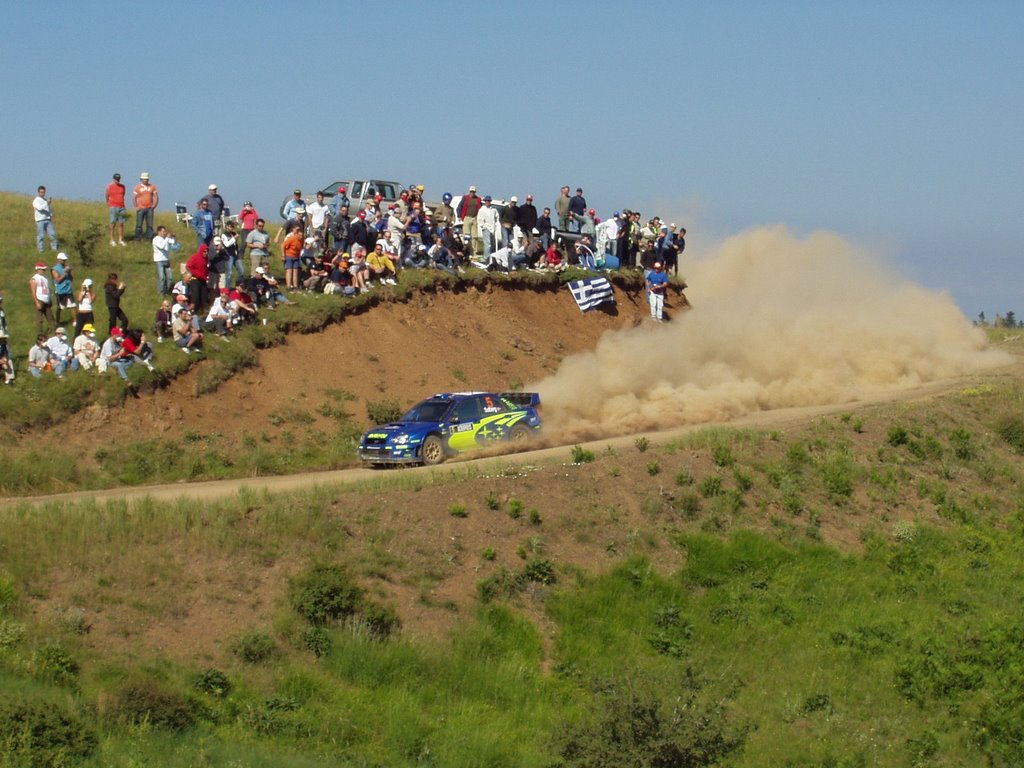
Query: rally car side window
point(468, 411)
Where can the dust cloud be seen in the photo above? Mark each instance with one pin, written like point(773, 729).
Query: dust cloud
point(777, 321)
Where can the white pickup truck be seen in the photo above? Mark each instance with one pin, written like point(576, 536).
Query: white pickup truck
point(358, 190)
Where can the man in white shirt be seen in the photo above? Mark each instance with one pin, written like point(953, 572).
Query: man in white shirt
point(44, 220)
point(163, 245)
point(317, 212)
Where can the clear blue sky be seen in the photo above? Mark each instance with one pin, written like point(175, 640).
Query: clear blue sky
point(897, 125)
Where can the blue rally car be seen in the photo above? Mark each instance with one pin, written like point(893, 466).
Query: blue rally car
point(448, 424)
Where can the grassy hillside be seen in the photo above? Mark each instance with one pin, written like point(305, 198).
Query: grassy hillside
point(840, 592)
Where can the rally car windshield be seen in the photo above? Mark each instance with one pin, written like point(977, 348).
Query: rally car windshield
point(428, 410)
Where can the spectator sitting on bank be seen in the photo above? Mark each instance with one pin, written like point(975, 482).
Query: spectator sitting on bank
point(220, 320)
point(263, 287)
point(163, 321)
point(244, 304)
point(137, 348)
point(318, 275)
point(441, 257)
point(61, 355)
point(86, 348)
point(380, 264)
point(417, 257)
point(186, 335)
point(585, 253)
point(39, 357)
point(340, 276)
point(359, 271)
point(112, 355)
point(553, 258)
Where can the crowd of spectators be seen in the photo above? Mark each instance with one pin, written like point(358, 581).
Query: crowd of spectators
point(325, 248)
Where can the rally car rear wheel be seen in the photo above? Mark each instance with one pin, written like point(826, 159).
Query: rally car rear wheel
point(432, 451)
point(519, 434)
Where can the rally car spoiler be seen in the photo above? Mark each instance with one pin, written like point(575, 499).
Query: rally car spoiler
point(522, 399)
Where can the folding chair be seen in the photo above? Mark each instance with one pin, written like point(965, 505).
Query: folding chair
point(181, 213)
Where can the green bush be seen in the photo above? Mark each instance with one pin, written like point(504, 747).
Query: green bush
point(212, 682)
point(55, 664)
point(8, 592)
point(383, 412)
point(581, 455)
point(324, 593)
point(253, 647)
point(458, 510)
point(318, 641)
point(42, 734)
point(642, 444)
point(381, 620)
point(539, 571)
point(1011, 429)
point(147, 701)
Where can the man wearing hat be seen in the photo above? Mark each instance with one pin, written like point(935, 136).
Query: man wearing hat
point(115, 202)
point(657, 282)
point(215, 203)
point(293, 206)
point(468, 209)
point(60, 352)
point(85, 348)
point(42, 299)
point(63, 285)
point(145, 199)
point(487, 221)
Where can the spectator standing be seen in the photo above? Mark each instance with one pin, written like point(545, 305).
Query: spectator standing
point(562, 209)
point(248, 218)
point(215, 203)
point(145, 198)
point(317, 211)
point(341, 230)
point(678, 246)
point(6, 364)
point(443, 215)
point(42, 299)
point(657, 281)
point(113, 290)
point(203, 223)
point(508, 216)
point(257, 242)
point(293, 206)
point(291, 250)
point(163, 246)
point(43, 213)
point(86, 300)
point(198, 269)
point(115, 203)
point(577, 208)
point(230, 241)
point(63, 287)
point(489, 226)
point(468, 210)
point(339, 201)
point(527, 219)
point(543, 227)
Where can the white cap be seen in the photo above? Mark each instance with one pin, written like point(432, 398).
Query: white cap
point(472, 188)
point(144, 176)
point(62, 256)
point(513, 199)
point(212, 187)
point(87, 282)
point(260, 271)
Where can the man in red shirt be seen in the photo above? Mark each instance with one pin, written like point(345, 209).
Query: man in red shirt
point(115, 202)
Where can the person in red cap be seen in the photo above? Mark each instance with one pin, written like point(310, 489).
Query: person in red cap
point(657, 282)
point(42, 298)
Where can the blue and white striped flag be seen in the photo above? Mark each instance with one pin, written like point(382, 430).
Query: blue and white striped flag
point(591, 291)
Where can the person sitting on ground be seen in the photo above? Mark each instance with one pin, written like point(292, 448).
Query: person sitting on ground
point(247, 312)
point(318, 275)
point(380, 265)
point(340, 275)
point(186, 336)
point(585, 253)
point(39, 357)
point(137, 348)
point(263, 287)
point(61, 354)
point(86, 348)
point(180, 303)
point(163, 321)
point(441, 257)
point(455, 245)
point(359, 271)
point(417, 257)
point(219, 319)
point(553, 258)
point(308, 254)
point(112, 354)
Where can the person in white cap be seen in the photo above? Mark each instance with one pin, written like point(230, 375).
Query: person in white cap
point(61, 355)
point(86, 299)
point(63, 286)
point(145, 198)
point(215, 203)
point(468, 209)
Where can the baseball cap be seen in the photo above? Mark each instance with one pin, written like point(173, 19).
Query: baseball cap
point(513, 199)
point(260, 271)
point(296, 191)
point(224, 291)
point(87, 282)
point(40, 265)
point(115, 331)
point(362, 214)
point(421, 247)
point(310, 240)
point(216, 240)
point(144, 176)
point(89, 328)
point(62, 256)
point(420, 187)
point(212, 187)
point(472, 188)
point(61, 331)
point(247, 202)
point(529, 197)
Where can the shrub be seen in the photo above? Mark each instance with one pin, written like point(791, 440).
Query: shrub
point(212, 682)
point(318, 641)
point(55, 664)
point(581, 455)
point(381, 620)
point(324, 593)
point(642, 444)
point(489, 554)
point(722, 456)
point(534, 516)
point(42, 734)
point(684, 477)
point(710, 486)
point(653, 468)
point(253, 647)
point(492, 501)
point(1011, 429)
point(515, 508)
point(961, 440)
point(458, 510)
point(897, 435)
point(147, 701)
point(383, 412)
point(539, 571)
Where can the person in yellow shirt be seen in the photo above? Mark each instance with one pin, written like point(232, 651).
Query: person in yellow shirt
point(380, 264)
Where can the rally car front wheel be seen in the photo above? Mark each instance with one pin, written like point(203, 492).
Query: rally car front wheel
point(432, 451)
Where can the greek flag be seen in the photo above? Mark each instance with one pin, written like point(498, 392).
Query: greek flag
point(591, 291)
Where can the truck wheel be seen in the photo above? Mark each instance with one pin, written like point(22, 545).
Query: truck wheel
point(519, 434)
point(432, 451)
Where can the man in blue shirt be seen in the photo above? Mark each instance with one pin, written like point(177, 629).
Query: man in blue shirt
point(657, 281)
point(203, 223)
